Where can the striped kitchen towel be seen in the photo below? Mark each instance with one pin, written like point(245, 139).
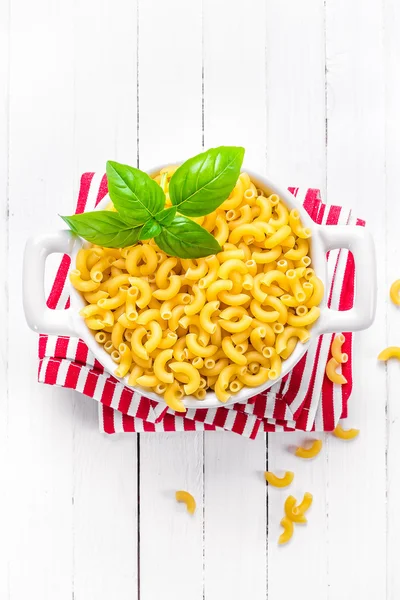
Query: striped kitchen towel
point(305, 399)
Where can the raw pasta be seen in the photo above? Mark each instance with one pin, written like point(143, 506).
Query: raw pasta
point(332, 374)
point(345, 434)
point(294, 513)
point(287, 525)
point(336, 349)
point(184, 327)
point(188, 499)
point(279, 482)
point(310, 452)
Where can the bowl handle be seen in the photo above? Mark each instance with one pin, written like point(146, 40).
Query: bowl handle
point(40, 318)
point(359, 241)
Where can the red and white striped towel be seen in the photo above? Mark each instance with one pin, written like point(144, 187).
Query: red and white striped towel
point(305, 399)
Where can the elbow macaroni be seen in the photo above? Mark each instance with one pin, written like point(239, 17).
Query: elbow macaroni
point(184, 327)
point(345, 434)
point(394, 290)
point(336, 349)
point(304, 504)
point(279, 482)
point(188, 499)
point(390, 352)
point(287, 525)
point(310, 452)
point(292, 512)
point(332, 373)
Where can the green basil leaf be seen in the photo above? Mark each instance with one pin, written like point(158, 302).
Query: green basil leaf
point(135, 195)
point(103, 227)
point(150, 230)
point(186, 239)
point(165, 217)
point(203, 182)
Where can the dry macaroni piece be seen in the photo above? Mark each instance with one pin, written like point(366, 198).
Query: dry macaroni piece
point(336, 349)
point(279, 482)
point(188, 499)
point(292, 512)
point(304, 504)
point(184, 327)
point(345, 434)
point(287, 525)
point(395, 292)
point(332, 373)
point(391, 352)
point(310, 452)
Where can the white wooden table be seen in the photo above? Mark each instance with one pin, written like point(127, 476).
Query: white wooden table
point(311, 88)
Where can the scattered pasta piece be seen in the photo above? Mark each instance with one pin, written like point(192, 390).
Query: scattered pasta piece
point(395, 292)
point(304, 504)
point(345, 434)
point(336, 348)
point(332, 374)
point(188, 499)
point(311, 452)
point(292, 512)
point(287, 533)
point(391, 352)
point(279, 482)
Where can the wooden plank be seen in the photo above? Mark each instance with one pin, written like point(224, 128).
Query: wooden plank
point(39, 456)
point(235, 77)
point(170, 82)
point(104, 508)
point(235, 113)
point(296, 156)
point(170, 120)
point(4, 146)
point(105, 84)
point(105, 469)
point(171, 540)
point(295, 58)
point(235, 516)
point(356, 177)
point(391, 260)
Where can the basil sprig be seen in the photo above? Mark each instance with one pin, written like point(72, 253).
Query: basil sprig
point(197, 187)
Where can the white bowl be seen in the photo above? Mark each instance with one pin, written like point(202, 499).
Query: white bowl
point(324, 238)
